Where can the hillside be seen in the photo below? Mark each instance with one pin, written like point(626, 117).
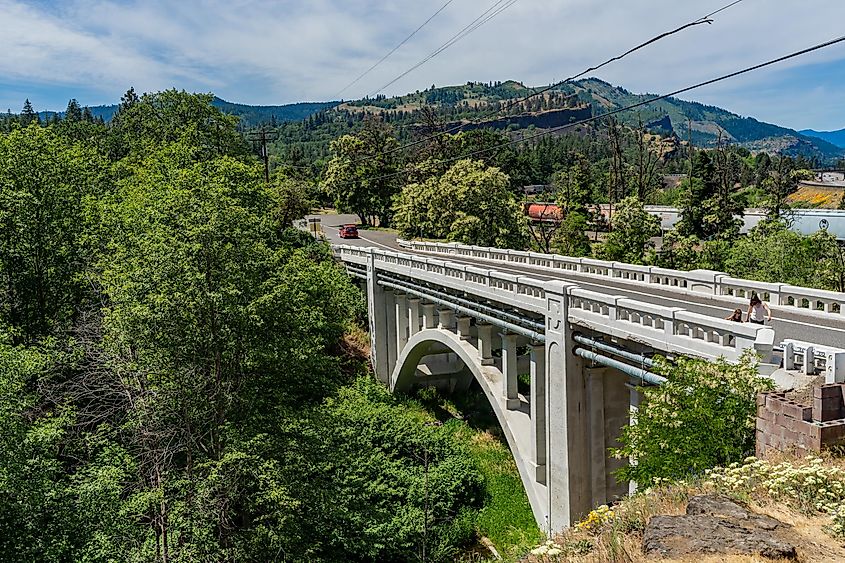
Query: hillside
point(834, 137)
point(707, 123)
point(250, 116)
point(498, 106)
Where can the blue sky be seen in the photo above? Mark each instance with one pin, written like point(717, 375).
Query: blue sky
point(287, 51)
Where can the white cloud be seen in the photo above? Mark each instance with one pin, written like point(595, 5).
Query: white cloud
point(285, 51)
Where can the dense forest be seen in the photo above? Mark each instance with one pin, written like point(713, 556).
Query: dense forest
point(183, 376)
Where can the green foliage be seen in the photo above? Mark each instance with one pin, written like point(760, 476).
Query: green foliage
point(361, 176)
point(382, 480)
point(677, 252)
point(633, 229)
point(470, 203)
point(172, 362)
point(46, 184)
point(773, 253)
point(702, 417)
point(570, 238)
point(291, 200)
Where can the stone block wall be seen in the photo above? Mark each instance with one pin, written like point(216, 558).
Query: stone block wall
point(786, 426)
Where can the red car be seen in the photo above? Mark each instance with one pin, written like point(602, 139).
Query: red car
point(348, 231)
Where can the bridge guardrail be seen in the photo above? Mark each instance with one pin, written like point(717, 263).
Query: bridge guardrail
point(706, 281)
point(814, 358)
point(664, 328)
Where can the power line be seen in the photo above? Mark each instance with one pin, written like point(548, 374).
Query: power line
point(497, 8)
point(396, 48)
point(702, 20)
point(636, 105)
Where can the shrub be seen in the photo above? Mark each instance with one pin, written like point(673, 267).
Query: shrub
point(702, 417)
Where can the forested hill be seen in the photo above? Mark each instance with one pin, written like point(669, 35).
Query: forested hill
point(835, 137)
point(706, 122)
point(250, 116)
point(495, 105)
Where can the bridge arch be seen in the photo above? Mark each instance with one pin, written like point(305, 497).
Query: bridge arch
point(515, 423)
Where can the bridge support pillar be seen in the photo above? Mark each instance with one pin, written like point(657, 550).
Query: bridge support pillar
point(401, 322)
point(608, 401)
point(568, 466)
point(634, 403)
point(392, 333)
point(447, 319)
point(538, 410)
point(429, 311)
point(376, 306)
point(464, 324)
point(413, 316)
point(485, 344)
point(509, 371)
point(598, 452)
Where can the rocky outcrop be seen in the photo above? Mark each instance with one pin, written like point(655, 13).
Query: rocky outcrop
point(716, 525)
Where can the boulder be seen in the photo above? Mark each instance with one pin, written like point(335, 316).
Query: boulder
point(716, 525)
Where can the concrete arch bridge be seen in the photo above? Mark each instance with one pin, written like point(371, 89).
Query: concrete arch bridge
point(449, 322)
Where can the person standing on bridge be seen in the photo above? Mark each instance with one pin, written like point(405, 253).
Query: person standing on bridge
point(758, 311)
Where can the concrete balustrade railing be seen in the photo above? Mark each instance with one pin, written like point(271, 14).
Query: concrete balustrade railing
point(668, 328)
point(664, 328)
point(706, 281)
point(813, 359)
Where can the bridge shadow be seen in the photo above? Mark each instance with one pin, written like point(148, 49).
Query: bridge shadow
point(471, 406)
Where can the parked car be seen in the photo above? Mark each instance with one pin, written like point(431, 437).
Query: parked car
point(348, 231)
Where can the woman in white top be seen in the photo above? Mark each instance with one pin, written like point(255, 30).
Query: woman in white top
point(758, 311)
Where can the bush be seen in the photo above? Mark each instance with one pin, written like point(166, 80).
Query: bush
point(702, 417)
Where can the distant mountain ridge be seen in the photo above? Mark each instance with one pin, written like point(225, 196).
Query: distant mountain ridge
point(833, 137)
point(707, 126)
point(250, 116)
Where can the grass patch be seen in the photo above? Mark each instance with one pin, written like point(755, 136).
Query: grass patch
point(506, 518)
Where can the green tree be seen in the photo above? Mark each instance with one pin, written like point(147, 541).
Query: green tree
point(28, 115)
point(633, 229)
point(702, 417)
point(142, 124)
point(677, 252)
point(292, 200)
point(470, 203)
point(773, 253)
point(778, 184)
point(44, 186)
point(362, 175)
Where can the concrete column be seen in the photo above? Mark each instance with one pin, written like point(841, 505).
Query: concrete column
point(401, 322)
point(378, 323)
point(809, 361)
point(429, 312)
point(447, 319)
point(598, 451)
point(568, 460)
point(392, 337)
point(485, 344)
point(788, 356)
point(539, 424)
point(509, 371)
point(413, 315)
point(634, 408)
point(617, 401)
point(464, 324)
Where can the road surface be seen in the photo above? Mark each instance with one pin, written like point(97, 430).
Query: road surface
point(827, 330)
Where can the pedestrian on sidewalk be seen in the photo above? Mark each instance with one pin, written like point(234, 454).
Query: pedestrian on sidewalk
point(758, 312)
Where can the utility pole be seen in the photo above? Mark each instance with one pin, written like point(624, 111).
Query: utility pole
point(262, 136)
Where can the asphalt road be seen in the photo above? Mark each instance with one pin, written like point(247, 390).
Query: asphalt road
point(828, 330)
